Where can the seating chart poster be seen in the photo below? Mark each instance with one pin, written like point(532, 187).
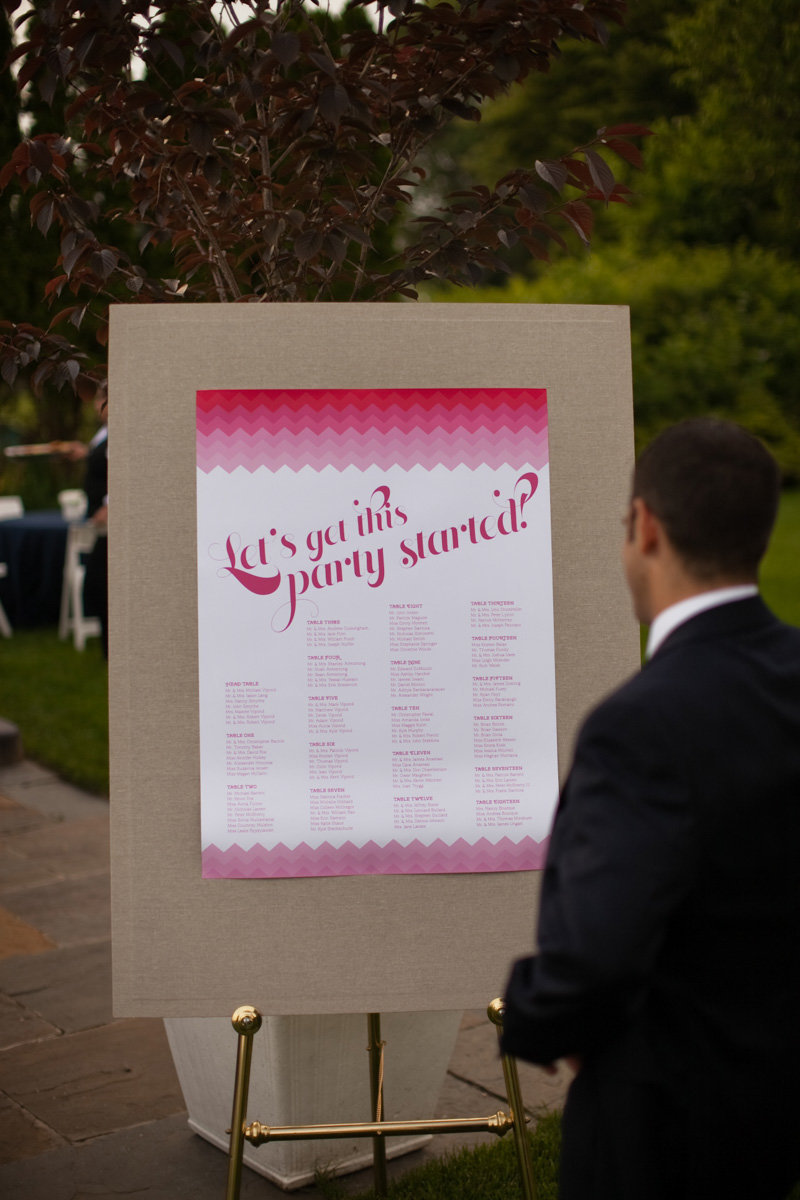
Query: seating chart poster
point(376, 650)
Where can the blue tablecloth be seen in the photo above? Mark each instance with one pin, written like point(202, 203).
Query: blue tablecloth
point(33, 549)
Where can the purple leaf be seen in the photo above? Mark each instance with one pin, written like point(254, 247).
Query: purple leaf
point(333, 103)
point(552, 172)
point(602, 175)
point(44, 217)
point(308, 245)
point(286, 48)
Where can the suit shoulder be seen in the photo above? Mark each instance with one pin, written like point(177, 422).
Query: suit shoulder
point(630, 694)
point(686, 680)
point(631, 706)
point(788, 633)
point(648, 702)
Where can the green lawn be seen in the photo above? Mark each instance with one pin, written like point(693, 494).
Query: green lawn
point(489, 1172)
point(58, 697)
point(780, 572)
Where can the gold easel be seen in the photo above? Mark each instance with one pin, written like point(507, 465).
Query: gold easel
point(247, 1022)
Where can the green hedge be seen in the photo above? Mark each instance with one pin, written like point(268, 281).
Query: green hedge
point(713, 331)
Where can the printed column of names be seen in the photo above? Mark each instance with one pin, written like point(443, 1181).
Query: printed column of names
point(418, 767)
point(500, 782)
point(333, 673)
point(249, 746)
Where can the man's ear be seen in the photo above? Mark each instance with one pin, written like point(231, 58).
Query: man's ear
point(648, 530)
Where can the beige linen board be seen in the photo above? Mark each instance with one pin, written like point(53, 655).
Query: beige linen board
point(185, 946)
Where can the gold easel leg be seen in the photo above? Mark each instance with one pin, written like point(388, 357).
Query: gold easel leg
point(247, 1022)
point(517, 1109)
point(375, 1048)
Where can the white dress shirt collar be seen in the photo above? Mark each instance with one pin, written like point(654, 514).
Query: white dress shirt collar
point(670, 618)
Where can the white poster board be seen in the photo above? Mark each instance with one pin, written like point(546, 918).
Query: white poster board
point(189, 946)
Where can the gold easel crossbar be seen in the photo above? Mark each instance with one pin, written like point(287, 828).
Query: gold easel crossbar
point(258, 1134)
point(247, 1021)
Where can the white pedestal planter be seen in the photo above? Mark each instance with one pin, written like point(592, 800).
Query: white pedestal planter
point(309, 1071)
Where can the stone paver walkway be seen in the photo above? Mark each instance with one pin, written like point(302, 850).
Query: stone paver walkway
point(90, 1106)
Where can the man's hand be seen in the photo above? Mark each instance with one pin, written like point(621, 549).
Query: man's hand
point(74, 451)
point(573, 1061)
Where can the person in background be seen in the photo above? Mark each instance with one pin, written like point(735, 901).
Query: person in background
point(668, 963)
point(95, 586)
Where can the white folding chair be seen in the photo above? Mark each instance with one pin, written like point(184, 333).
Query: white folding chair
point(73, 503)
point(10, 507)
point(81, 538)
point(5, 624)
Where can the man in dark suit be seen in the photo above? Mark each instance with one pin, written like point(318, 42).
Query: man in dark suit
point(668, 968)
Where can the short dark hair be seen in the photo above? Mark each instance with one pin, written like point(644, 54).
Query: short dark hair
point(715, 489)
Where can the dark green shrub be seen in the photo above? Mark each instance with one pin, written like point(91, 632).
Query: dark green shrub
point(713, 331)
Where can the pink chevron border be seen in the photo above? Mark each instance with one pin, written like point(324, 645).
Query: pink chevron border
point(440, 858)
point(371, 427)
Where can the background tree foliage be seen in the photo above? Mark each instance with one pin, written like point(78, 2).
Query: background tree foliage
point(26, 260)
point(630, 79)
point(707, 257)
point(729, 172)
point(353, 112)
point(266, 151)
